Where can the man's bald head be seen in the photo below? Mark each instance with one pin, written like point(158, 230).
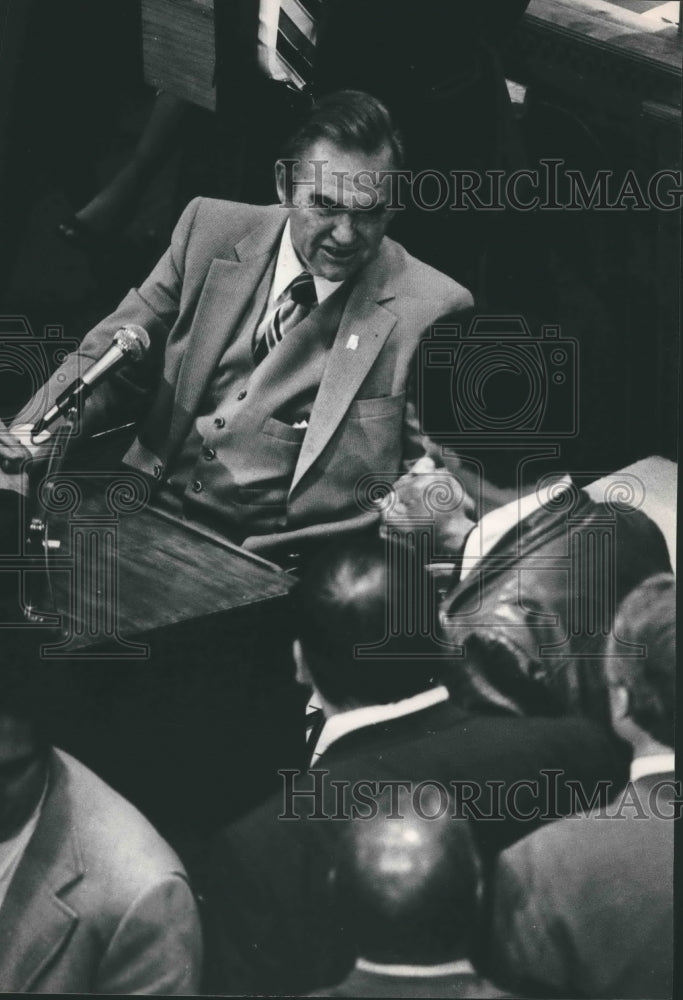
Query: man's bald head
point(409, 887)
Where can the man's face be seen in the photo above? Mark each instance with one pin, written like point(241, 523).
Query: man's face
point(339, 208)
point(22, 775)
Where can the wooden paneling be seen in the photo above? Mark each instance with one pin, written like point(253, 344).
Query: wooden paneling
point(178, 48)
point(120, 575)
point(637, 36)
point(597, 52)
point(604, 91)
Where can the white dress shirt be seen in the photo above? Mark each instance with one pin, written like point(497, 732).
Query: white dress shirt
point(492, 526)
point(656, 763)
point(369, 715)
point(288, 267)
point(460, 967)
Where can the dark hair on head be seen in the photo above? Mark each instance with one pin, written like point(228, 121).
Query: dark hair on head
point(494, 676)
point(349, 119)
point(351, 596)
point(647, 617)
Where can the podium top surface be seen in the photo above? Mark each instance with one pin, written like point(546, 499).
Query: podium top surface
point(126, 572)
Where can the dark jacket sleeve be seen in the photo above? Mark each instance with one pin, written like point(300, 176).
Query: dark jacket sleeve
point(269, 924)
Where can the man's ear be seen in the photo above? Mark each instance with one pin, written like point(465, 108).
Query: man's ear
point(283, 183)
point(619, 702)
point(302, 675)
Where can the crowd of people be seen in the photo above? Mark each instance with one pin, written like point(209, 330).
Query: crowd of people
point(473, 827)
point(488, 799)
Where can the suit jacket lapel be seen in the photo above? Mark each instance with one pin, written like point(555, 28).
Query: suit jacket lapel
point(35, 922)
point(228, 290)
point(364, 327)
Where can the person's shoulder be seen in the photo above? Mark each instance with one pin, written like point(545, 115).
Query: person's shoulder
point(117, 844)
point(554, 847)
point(218, 210)
point(420, 280)
point(533, 728)
point(584, 746)
point(214, 224)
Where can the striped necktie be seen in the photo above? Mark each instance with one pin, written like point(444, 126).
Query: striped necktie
point(296, 37)
point(294, 304)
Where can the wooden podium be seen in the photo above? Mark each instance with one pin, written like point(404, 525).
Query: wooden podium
point(122, 566)
point(174, 649)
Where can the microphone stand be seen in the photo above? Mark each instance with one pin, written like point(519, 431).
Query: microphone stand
point(38, 541)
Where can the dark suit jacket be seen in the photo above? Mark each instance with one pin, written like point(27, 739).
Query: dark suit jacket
point(540, 606)
point(191, 305)
point(362, 983)
point(584, 907)
point(99, 902)
point(271, 923)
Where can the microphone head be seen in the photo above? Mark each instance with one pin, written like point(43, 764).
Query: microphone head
point(133, 341)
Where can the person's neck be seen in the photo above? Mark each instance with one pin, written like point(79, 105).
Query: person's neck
point(645, 745)
point(328, 708)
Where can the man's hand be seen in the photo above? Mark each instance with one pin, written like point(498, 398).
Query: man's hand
point(429, 496)
point(16, 451)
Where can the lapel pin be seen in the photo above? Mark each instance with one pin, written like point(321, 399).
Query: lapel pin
point(352, 342)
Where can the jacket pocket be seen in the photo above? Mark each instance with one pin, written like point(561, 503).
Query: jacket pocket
point(378, 406)
point(283, 432)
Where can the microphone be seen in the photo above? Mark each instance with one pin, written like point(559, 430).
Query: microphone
point(130, 345)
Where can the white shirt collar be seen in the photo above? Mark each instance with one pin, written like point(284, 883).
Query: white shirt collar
point(492, 526)
point(460, 967)
point(656, 763)
point(288, 266)
point(369, 715)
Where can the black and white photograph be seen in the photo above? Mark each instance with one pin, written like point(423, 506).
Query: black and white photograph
point(339, 405)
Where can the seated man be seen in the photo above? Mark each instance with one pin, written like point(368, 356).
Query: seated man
point(389, 723)
point(536, 580)
point(409, 890)
point(282, 343)
point(92, 900)
point(584, 907)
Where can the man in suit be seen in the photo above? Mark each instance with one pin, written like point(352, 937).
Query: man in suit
point(537, 568)
point(410, 890)
point(282, 344)
point(584, 907)
point(389, 721)
point(91, 898)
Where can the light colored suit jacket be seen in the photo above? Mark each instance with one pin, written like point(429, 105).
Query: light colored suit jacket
point(191, 305)
point(584, 906)
point(99, 902)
